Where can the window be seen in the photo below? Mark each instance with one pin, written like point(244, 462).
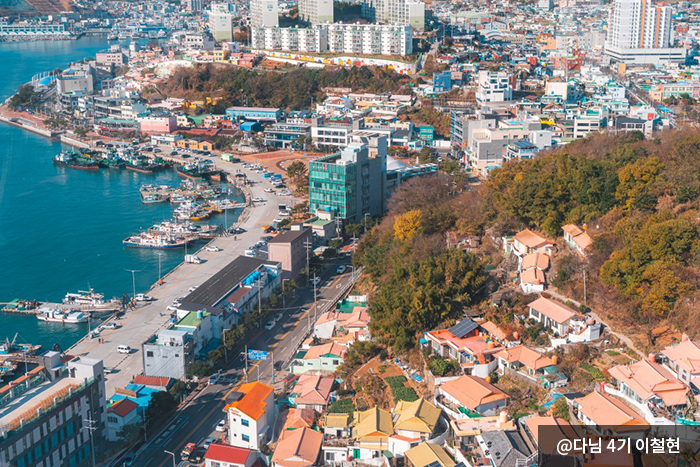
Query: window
point(245, 437)
point(336, 362)
point(245, 422)
point(149, 353)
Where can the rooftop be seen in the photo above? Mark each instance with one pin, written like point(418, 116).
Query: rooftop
point(192, 319)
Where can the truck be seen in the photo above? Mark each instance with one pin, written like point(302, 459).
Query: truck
point(192, 259)
point(229, 158)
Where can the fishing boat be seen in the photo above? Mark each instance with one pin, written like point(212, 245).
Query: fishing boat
point(75, 161)
point(8, 347)
point(141, 168)
point(198, 169)
point(164, 242)
point(84, 298)
point(153, 198)
point(18, 306)
point(58, 315)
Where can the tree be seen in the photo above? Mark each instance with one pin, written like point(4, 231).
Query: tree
point(160, 406)
point(131, 433)
point(636, 179)
point(561, 409)
point(407, 225)
point(426, 155)
point(24, 97)
point(179, 389)
point(199, 369)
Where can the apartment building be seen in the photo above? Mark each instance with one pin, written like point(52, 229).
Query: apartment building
point(221, 16)
point(264, 13)
point(306, 40)
point(316, 11)
point(493, 86)
point(370, 39)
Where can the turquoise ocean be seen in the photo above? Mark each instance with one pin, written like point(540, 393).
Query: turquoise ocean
point(61, 229)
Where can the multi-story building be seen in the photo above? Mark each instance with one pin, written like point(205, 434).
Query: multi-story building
point(410, 12)
point(493, 86)
point(349, 183)
point(306, 40)
point(251, 415)
point(291, 250)
point(641, 32)
point(194, 6)
point(168, 354)
point(264, 13)
point(370, 39)
point(221, 16)
point(258, 114)
point(284, 135)
point(316, 11)
point(54, 414)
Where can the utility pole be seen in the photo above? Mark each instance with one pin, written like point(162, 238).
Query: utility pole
point(308, 245)
point(160, 255)
point(246, 363)
point(133, 279)
point(259, 302)
point(90, 426)
point(585, 302)
point(272, 354)
point(315, 299)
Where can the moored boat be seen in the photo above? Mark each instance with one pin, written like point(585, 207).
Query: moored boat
point(75, 161)
point(58, 315)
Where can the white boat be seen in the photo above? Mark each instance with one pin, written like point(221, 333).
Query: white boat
point(58, 315)
point(90, 298)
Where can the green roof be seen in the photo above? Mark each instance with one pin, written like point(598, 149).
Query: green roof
point(320, 222)
point(347, 306)
point(191, 319)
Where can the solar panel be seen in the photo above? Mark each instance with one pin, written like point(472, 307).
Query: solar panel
point(463, 328)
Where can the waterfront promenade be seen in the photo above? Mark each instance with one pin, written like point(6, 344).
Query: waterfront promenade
point(139, 324)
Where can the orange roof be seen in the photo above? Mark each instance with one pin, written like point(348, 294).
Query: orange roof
point(558, 424)
point(647, 379)
point(253, 401)
point(579, 236)
point(686, 355)
point(475, 345)
point(472, 391)
point(525, 355)
point(325, 349)
point(531, 239)
point(299, 418)
point(605, 410)
point(532, 276)
point(313, 389)
point(554, 310)
point(298, 449)
point(572, 229)
point(151, 380)
point(495, 331)
point(123, 407)
point(535, 260)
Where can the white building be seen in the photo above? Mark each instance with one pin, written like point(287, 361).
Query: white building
point(264, 13)
point(316, 11)
point(411, 12)
point(221, 17)
point(252, 416)
point(370, 39)
point(194, 5)
point(640, 32)
point(307, 40)
point(494, 86)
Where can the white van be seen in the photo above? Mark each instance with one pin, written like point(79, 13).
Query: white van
point(250, 253)
point(124, 349)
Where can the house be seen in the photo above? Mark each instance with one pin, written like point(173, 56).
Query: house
point(683, 360)
point(299, 418)
point(251, 415)
point(474, 394)
point(337, 425)
point(154, 382)
point(312, 392)
point(527, 241)
point(324, 357)
point(498, 334)
point(290, 250)
point(503, 448)
point(523, 359)
point(465, 343)
point(119, 415)
point(535, 260)
point(355, 323)
point(417, 419)
point(577, 238)
point(609, 415)
point(371, 432)
point(467, 429)
point(544, 431)
point(553, 315)
point(137, 393)
point(298, 448)
point(532, 280)
point(223, 455)
point(427, 454)
point(646, 382)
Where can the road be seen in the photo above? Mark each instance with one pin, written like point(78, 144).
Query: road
point(197, 421)
point(139, 324)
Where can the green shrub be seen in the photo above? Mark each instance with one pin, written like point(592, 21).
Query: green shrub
point(342, 406)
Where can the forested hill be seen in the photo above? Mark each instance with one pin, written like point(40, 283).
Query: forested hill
point(639, 199)
point(292, 90)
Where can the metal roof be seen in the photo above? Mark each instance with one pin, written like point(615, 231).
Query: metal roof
point(463, 328)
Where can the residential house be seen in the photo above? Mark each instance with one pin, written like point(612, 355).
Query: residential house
point(646, 383)
point(523, 359)
point(299, 418)
point(683, 360)
point(155, 382)
point(467, 429)
point(544, 431)
point(290, 249)
point(427, 454)
point(119, 415)
point(527, 241)
point(498, 334)
point(577, 238)
point(609, 415)
point(465, 343)
point(415, 422)
point(473, 394)
point(337, 425)
point(554, 315)
point(298, 448)
point(313, 392)
point(251, 415)
point(371, 432)
point(324, 357)
point(355, 323)
point(503, 449)
point(223, 455)
point(532, 280)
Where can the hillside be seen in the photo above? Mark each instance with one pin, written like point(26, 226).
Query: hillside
point(639, 199)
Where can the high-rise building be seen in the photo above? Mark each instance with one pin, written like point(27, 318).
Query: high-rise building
point(264, 13)
point(411, 12)
point(350, 183)
point(641, 32)
point(54, 414)
point(194, 5)
point(221, 16)
point(316, 11)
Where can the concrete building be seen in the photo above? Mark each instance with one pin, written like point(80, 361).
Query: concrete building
point(640, 32)
point(284, 135)
point(45, 414)
point(251, 415)
point(350, 183)
point(257, 114)
point(370, 39)
point(194, 6)
point(316, 11)
point(221, 16)
point(410, 12)
point(198, 41)
point(290, 249)
point(264, 13)
point(307, 40)
point(493, 86)
point(158, 125)
point(168, 354)
point(113, 56)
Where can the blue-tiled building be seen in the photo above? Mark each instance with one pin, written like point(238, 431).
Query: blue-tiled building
point(442, 82)
point(258, 114)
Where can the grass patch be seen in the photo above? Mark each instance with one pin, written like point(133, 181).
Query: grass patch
point(593, 371)
point(612, 353)
point(342, 406)
point(399, 390)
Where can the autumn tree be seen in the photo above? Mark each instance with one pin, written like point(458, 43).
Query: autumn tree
point(407, 225)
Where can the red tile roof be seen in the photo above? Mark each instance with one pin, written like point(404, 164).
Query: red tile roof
point(152, 380)
point(123, 407)
point(226, 453)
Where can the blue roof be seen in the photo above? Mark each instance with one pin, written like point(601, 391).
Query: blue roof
point(143, 395)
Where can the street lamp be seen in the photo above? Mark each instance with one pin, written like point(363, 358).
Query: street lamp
point(133, 279)
point(160, 255)
point(364, 220)
point(172, 454)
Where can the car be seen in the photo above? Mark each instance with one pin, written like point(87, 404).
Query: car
point(197, 455)
point(315, 280)
point(129, 460)
point(109, 370)
point(171, 308)
point(185, 156)
point(213, 379)
point(278, 317)
point(283, 213)
point(173, 153)
point(238, 230)
point(110, 325)
point(259, 200)
point(269, 190)
point(278, 220)
point(221, 426)
point(212, 248)
point(278, 365)
point(209, 441)
point(139, 297)
point(193, 288)
point(261, 244)
point(270, 325)
point(123, 349)
point(188, 449)
point(341, 269)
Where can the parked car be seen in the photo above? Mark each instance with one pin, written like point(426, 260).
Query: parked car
point(212, 248)
point(185, 454)
point(269, 325)
point(193, 288)
point(221, 426)
point(269, 190)
point(139, 297)
point(124, 349)
point(198, 455)
point(110, 325)
point(341, 269)
point(209, 441)
point(213, 379)
point(171, 308)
